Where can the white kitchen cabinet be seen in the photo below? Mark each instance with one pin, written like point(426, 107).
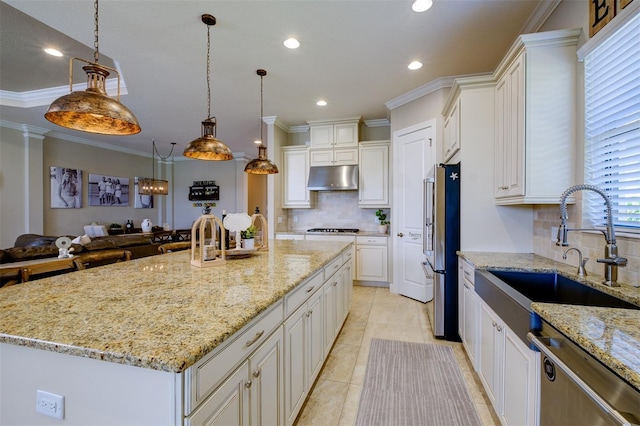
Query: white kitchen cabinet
point(467, 318)
point(228, 405)
point(334, 157)
point(304, 352)
point(295, 165)
point(335, 133)
point(373, 185)
point(372, 258)
point(535, 106)
point(451, 131)
point(507, 370)
point(266, 392)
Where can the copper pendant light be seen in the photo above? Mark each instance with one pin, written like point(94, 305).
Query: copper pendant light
point(208, 147)
point(155, 186)
point(93, 110)
point(261, 165)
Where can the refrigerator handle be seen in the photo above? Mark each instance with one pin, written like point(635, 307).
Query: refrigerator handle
point(436, 271)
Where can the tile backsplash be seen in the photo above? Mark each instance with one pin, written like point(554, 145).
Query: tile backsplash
point(338, 209)
point(591, 244)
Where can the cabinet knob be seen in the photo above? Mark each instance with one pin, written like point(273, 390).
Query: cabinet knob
point(247, 384)
point(400, 234)
point(256, 374)
point(493, 323)
point(310, 289)
point(499, 328)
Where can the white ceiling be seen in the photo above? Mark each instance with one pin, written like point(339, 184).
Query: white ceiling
point(354, 54)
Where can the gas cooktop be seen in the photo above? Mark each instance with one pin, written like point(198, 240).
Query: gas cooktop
point(338, 230)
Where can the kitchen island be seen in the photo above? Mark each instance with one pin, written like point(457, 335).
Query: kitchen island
point(120, 341)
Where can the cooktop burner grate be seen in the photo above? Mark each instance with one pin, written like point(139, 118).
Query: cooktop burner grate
point(338, 230)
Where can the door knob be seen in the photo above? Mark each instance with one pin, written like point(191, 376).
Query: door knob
point(400, 234)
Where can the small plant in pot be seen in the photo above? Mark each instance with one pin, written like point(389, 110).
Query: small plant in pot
point(248, 236)
point(382, 220)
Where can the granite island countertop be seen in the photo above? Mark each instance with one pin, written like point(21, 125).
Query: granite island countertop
point(157, 312)
point(611, 335)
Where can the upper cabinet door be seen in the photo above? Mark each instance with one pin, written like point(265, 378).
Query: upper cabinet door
point(321, 136)
point(345, 135)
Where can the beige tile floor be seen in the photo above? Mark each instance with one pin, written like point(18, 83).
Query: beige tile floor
point(376, 313)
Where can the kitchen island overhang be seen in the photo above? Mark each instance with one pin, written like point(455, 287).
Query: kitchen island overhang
point(157, 312)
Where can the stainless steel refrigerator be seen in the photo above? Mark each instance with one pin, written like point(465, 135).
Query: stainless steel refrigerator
point(442, 240)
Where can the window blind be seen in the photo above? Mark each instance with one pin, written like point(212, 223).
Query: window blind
point(612, 127)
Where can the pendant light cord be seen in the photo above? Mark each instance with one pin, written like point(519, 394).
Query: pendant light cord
point(96, 53)
point(208, 71)
point(261, 110)
point(153, 157)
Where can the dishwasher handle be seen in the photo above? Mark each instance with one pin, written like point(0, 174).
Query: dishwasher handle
point(597, 399)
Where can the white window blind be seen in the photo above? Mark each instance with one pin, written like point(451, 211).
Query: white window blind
point(612, 127)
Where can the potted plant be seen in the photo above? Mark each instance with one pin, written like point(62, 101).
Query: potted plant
point(115, 228)
point(382, 220)
point(248, 237)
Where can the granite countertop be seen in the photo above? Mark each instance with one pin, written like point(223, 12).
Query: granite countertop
point(355, 234)
point(612, 335)
point(157, 312)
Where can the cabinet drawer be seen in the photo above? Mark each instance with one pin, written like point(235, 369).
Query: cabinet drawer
point(297, 296)
point(468, 270)
point(332, 267)
point(205, 376)
point(379, 241)
point(347, 255)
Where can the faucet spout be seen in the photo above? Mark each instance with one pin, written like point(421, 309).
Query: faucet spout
point(611, 259)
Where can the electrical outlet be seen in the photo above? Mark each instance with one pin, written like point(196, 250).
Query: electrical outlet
point(295, 218)
point(50, 404)
point(554, 233)
point(279, 219)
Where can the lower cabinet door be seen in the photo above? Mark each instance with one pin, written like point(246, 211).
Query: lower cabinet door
point(227, 405)
point(295, 363)
point(315, 330)
point(519, 381)
point(267, 382)
point(330, 308)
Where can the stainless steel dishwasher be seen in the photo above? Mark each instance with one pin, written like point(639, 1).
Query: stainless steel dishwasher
point(576, 389)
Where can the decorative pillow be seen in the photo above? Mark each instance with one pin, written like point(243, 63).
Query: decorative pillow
point(34, 240)
point(30, 253)
point(100, 244)
point(130, 240)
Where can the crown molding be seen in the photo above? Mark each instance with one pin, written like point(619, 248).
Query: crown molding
point(379, 122)
point(417, 93)
point(536, 20)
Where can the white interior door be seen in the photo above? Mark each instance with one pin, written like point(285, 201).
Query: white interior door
point(413, 158)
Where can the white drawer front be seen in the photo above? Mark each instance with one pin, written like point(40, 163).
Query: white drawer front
point(296, 297)
point(347, 256)
point(206, 376)
point(468, 271)
point(332, 267)
point(379, 241)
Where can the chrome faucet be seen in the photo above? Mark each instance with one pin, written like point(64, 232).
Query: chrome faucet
point(611, 260)
point(581, 263)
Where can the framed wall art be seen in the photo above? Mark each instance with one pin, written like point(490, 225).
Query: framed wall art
point(142, 201)
point(66, 188)
point(105, 190)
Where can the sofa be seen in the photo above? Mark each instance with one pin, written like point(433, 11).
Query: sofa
point(94, 252)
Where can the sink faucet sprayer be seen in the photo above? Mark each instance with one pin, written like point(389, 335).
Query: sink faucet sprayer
point(611, 260)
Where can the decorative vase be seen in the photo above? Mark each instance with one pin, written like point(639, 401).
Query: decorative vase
point(146, 225)
point(248, 243)
point(383, 229)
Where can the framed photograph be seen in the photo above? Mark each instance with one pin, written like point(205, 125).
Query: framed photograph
point(142, 201)
point(66, 188)
point(105, 190)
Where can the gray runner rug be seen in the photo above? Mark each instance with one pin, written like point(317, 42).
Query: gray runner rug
point(414, 384)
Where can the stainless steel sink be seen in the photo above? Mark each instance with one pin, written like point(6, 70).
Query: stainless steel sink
point(551, 287)
point(510, 294)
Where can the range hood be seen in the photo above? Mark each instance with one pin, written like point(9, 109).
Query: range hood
point(333, 178)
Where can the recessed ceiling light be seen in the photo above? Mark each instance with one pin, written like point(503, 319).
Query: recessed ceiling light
point(257, 142)
point(292, 43)
point(415, 65)
point(421, 5)
point(321, 103)
point(53, 52)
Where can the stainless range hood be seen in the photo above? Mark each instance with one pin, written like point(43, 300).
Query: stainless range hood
point(333, 178)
